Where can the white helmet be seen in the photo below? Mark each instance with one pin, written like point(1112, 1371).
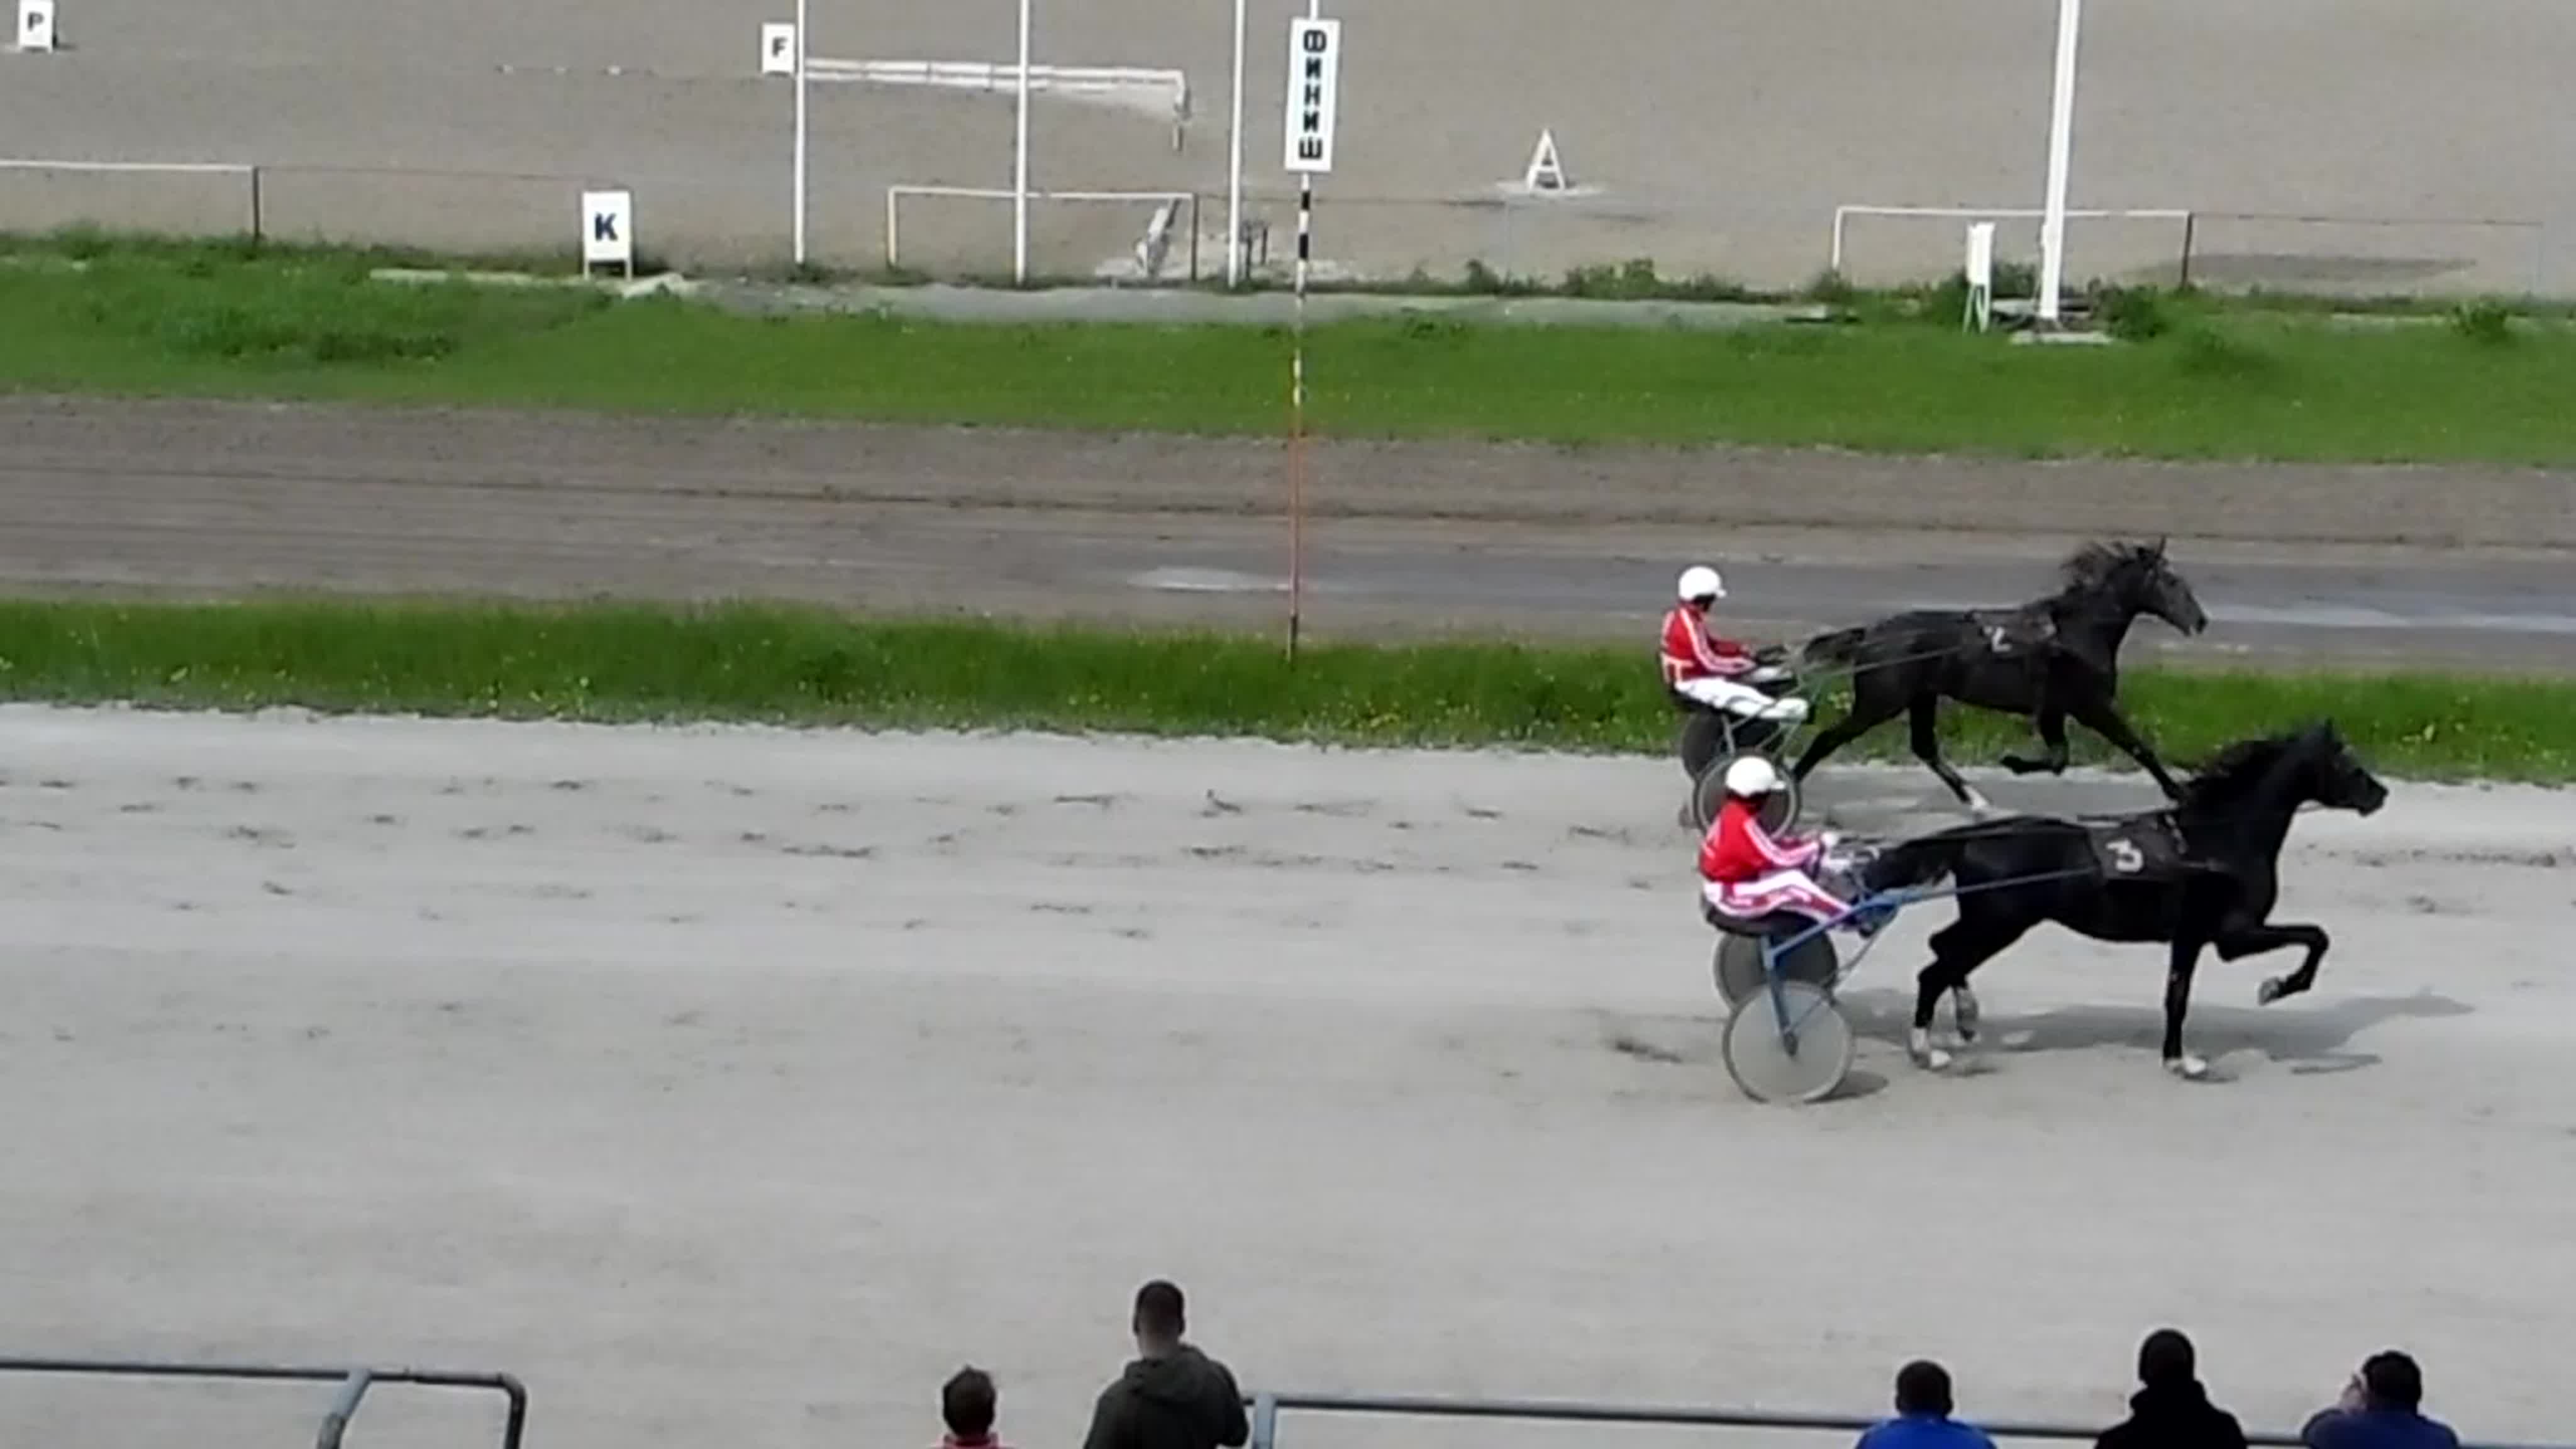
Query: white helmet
point(1752, 775)
point(1699, 581)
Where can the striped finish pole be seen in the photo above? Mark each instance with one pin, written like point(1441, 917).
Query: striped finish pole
point(1297, 420)
point(1313, 101)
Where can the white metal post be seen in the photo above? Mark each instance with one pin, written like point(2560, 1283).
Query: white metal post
point(2061, 140)
point(1234, 165)
point(800, 133)
point(1020, 169)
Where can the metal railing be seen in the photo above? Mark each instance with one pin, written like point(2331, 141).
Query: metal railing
point(1266, 1409)
point(352, 1382)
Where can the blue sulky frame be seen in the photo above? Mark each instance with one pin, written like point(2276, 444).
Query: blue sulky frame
point(1793, 1014)
point(1777, 1045)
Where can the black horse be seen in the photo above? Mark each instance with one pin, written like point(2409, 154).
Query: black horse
point(2050, 659)
point(2202, 873)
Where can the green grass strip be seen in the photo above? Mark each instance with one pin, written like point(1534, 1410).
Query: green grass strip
point(2207, 381)
point(807, 666)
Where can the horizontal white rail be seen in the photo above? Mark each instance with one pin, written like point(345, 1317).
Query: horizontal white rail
point(199, 168)
point(1843, 214)
point(1114, 81)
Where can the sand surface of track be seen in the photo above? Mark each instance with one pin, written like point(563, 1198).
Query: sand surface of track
point(736, 1085)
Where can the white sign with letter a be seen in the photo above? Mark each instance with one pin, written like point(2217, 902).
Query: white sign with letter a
point(778, 48)
point(35, 24)
point(1314, 92)
point(608, 229)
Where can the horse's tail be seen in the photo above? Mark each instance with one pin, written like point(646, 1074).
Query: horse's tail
point(1919, 862)
point(1840, 646)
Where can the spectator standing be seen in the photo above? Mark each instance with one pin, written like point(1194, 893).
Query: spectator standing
point(1172, 1396)
point(966, 1403)
point(1923, 1415)
point(2171, 1409)
point(2382, 1408)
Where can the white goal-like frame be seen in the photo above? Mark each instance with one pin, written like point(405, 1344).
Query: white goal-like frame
point(1844, 214)
point(1172, 209)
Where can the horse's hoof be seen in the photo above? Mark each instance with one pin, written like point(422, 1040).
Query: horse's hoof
point(2188, 1067)
point(2271, 990)
point(1918, 1045)
point(1963, 1011)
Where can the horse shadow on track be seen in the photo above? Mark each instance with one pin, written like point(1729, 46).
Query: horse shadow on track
point(2310, 1040)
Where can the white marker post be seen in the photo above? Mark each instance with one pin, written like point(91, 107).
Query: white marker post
point(1020, 165)
point(802, 46)
point(1980, 271)
point(2061, 142)
point(1314, 106)
point(1234, 164)
point(608, 230)
point(35, 25)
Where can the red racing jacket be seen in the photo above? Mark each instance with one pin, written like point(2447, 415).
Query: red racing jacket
point(1737, 849)
point(1690, 651)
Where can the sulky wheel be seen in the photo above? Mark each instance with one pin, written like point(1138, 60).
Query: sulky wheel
point(1702, 738)
point(1804, 1064)
point(1778, 813)
point(1738, 968)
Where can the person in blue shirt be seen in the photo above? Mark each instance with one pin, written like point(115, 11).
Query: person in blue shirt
point(1923, 1415)
point(2382, 1408)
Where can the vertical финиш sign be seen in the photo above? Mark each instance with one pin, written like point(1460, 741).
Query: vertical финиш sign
point(608, 229)
point(1314, 93)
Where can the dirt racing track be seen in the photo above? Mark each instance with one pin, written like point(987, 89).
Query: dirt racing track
point(735, 1086)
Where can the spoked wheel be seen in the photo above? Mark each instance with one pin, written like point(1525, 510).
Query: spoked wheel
point(1791, 1044)
point(1778, 813)
point(1738, 968)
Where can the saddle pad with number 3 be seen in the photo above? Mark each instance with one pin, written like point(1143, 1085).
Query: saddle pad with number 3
point(2140, 848)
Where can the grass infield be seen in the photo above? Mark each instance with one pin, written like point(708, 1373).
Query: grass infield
point(802, 666)
point(2203, 379)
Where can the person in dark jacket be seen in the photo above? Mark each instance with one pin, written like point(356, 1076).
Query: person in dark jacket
point(1171, 1396)
point(2171, 1410)
point(2382, 1408)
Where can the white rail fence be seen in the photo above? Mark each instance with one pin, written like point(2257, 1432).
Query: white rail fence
point(1155, 90)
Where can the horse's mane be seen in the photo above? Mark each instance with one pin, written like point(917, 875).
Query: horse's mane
point(2241, 766)
point(2096, 566)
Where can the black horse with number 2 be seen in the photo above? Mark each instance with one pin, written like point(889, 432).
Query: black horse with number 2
point(2051, 660)
point(2203, 873)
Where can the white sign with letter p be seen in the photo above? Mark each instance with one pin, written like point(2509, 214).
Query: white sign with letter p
point(608, 229)
point(35, 25)
point(1314, 93)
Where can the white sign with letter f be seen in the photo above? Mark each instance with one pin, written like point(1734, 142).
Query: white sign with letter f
point(1314, 93)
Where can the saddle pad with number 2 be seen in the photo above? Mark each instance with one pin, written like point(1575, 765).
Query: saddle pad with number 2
point(2139, 847)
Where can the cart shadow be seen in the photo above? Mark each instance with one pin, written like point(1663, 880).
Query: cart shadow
point(2310, 1042)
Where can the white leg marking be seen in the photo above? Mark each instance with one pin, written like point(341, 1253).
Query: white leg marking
point(1918, 1044)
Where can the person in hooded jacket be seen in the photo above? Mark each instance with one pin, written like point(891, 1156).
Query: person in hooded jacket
point(2171, 1410)
point(1171, 1396)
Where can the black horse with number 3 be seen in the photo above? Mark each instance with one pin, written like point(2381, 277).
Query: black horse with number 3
point(2204, 873)
point(2050, 660)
